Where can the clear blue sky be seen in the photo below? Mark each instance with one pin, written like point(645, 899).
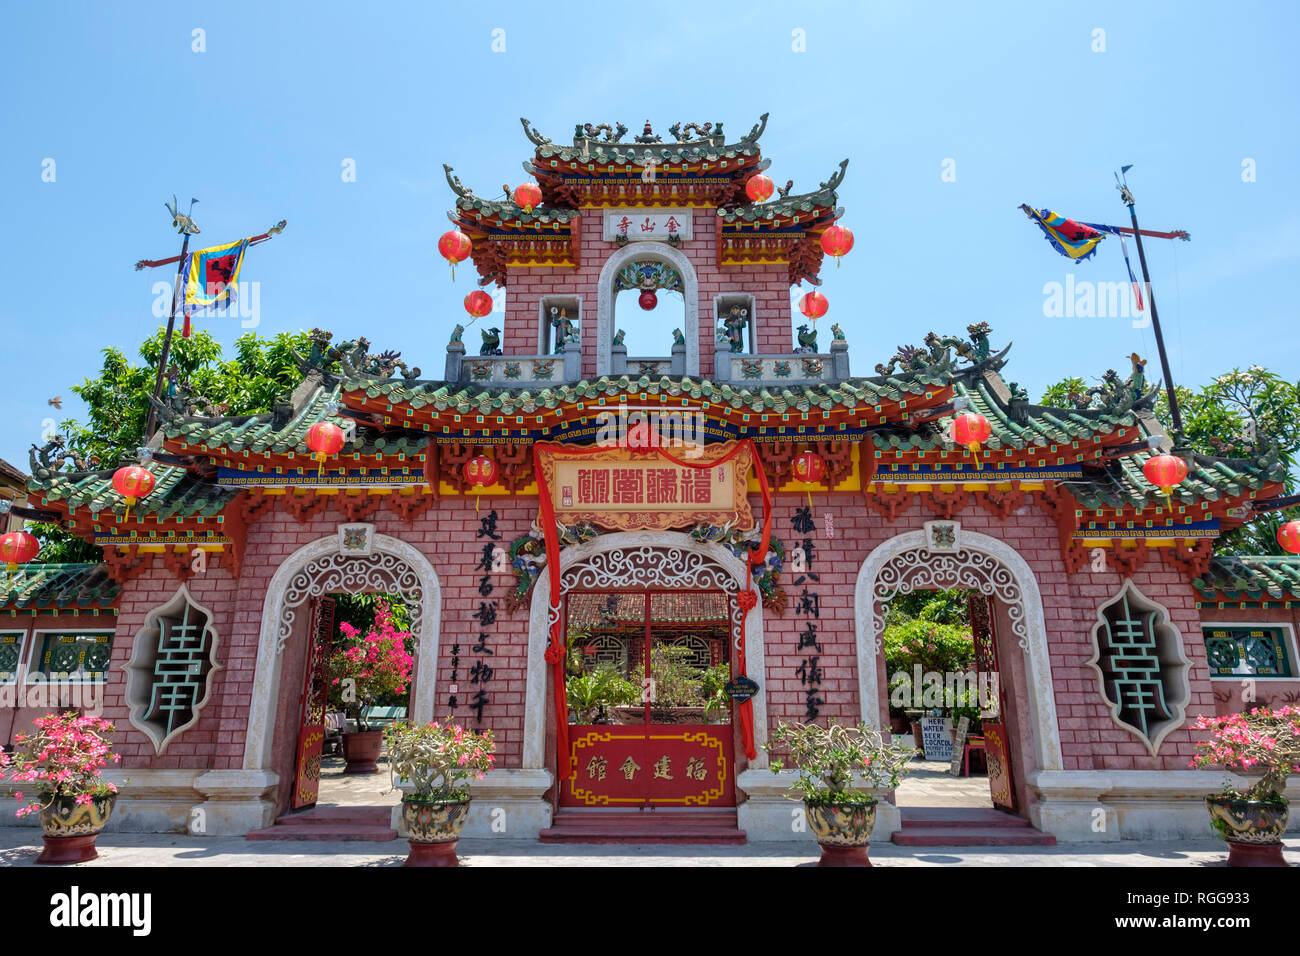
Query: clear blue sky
point(258, 126)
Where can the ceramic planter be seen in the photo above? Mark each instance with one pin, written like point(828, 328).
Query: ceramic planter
point(433, 829)
point(71, 829)
point(1252, 828)
point(843, 831)
point(361, 751)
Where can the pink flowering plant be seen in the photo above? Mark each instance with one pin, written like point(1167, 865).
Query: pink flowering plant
point(827, 759)
point(63, 758)
point(366, 667)
point(1263, 741)
point(439, 758)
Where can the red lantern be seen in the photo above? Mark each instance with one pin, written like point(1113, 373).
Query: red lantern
point(455, 246)
point(759, 188)
point(528, 195)
point(1288, 536)
point(814, 305)
point(837, 241)
point(478, 303)
point(971, 429)
point(1165, 472)
point(18, 547)
point(324, 439)
point(480, 472)
point(648, 300)
point(809, 466)
point(132, 482)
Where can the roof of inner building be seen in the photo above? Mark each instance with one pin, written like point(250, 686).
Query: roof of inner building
point(58, 586)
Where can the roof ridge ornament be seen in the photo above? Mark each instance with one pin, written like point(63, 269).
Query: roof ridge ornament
point(536, 138)
point(753, 135)
point(454, 182)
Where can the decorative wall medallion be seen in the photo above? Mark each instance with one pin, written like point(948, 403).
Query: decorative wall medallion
point(943, 535)
point(1140, 665)
point(356, 539)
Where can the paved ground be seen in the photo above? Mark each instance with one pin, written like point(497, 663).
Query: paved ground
point(338, 789)
point(929, 784)
point(19, 846)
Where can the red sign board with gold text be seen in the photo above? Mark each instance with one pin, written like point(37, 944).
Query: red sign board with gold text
point(650, 765)
point(631, 491)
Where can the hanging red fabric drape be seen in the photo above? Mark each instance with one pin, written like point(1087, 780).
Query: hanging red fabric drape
point(555, 649)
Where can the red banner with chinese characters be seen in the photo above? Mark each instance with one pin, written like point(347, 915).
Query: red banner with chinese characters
point(632, 491)
point(656, 765)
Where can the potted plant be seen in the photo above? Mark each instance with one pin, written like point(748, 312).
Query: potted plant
point(590, 694)
point(364, 668)
point(1262, 741)
point(438, 760)
point(63, 760)
point(828, 759)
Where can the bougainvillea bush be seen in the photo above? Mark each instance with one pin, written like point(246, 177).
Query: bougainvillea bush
point(439, 758)
point(63, 758)
point(365, 667)
point(1263, 741)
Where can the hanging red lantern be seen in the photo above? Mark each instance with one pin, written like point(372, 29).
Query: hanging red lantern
point(814, 305)
point(480, 472)
point(648, 300)
point(759, 188)
point(837, 241)
point(478, 303)
point(809, 466)
point(1288, 536)
point(18, 547)
point(528, 195)
point(323, 440)
point(455, 246)
point(132, 482)
point(1165, 472)
point(971, 429)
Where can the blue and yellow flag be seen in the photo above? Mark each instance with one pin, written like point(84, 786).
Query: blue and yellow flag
point(212, 276)
point(1075, 240)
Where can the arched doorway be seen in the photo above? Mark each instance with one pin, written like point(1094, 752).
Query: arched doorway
point(606, 294)
point(355, 560)
point(944, 556)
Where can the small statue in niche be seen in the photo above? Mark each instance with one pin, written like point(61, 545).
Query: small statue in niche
point(678, 338)
point(565, 330)
point(491, 342)
point(618, 338)
point(733, 324)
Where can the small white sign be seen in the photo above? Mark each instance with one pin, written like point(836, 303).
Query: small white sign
point(637, 222)
point(935, 738)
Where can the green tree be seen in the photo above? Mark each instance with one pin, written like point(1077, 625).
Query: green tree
point(117, 402)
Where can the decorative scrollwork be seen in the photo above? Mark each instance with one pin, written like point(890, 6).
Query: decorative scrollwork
point(335, 573)
point(922, 569)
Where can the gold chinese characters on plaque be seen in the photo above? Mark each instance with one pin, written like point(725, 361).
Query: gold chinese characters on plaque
point(632, 491)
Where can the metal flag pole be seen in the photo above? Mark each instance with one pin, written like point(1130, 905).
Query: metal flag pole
point(187, 228)
point(1127, 198)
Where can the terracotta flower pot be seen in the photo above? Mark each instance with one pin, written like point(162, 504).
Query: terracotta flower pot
point(433, 829)
point(1252, 828)
point(843, 831)
point(71, 828)
point(361, 751)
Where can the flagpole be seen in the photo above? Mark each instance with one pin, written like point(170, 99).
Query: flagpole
point(177, 294)
point(1127, 198)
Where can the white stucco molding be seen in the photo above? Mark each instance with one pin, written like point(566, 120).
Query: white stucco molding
point(536, 700)
point(655, 252)
point(1012, 577)
point(392, 563)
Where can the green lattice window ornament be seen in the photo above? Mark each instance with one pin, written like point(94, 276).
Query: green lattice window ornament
point(169, 676)
point(1140, 665)
point(79, 657)
point(1234, 651)
point(11, 654)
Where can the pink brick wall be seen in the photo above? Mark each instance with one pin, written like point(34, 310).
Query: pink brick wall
point(446, 534)
point(769, 284)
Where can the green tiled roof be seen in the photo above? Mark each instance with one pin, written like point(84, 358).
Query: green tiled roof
point(58, 586)
point(786, 207)
point(510, 212)
point(1211, 479)
point(176, 493)
point(472, 399)
point(596, 152)
point(1251, 578)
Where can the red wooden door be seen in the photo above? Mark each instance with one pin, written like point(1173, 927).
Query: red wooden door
point(997, 750)
point(666, 755)
point(315, 701)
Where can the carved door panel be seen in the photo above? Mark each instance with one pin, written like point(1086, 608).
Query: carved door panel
point(997, 751)
point(315, 701)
